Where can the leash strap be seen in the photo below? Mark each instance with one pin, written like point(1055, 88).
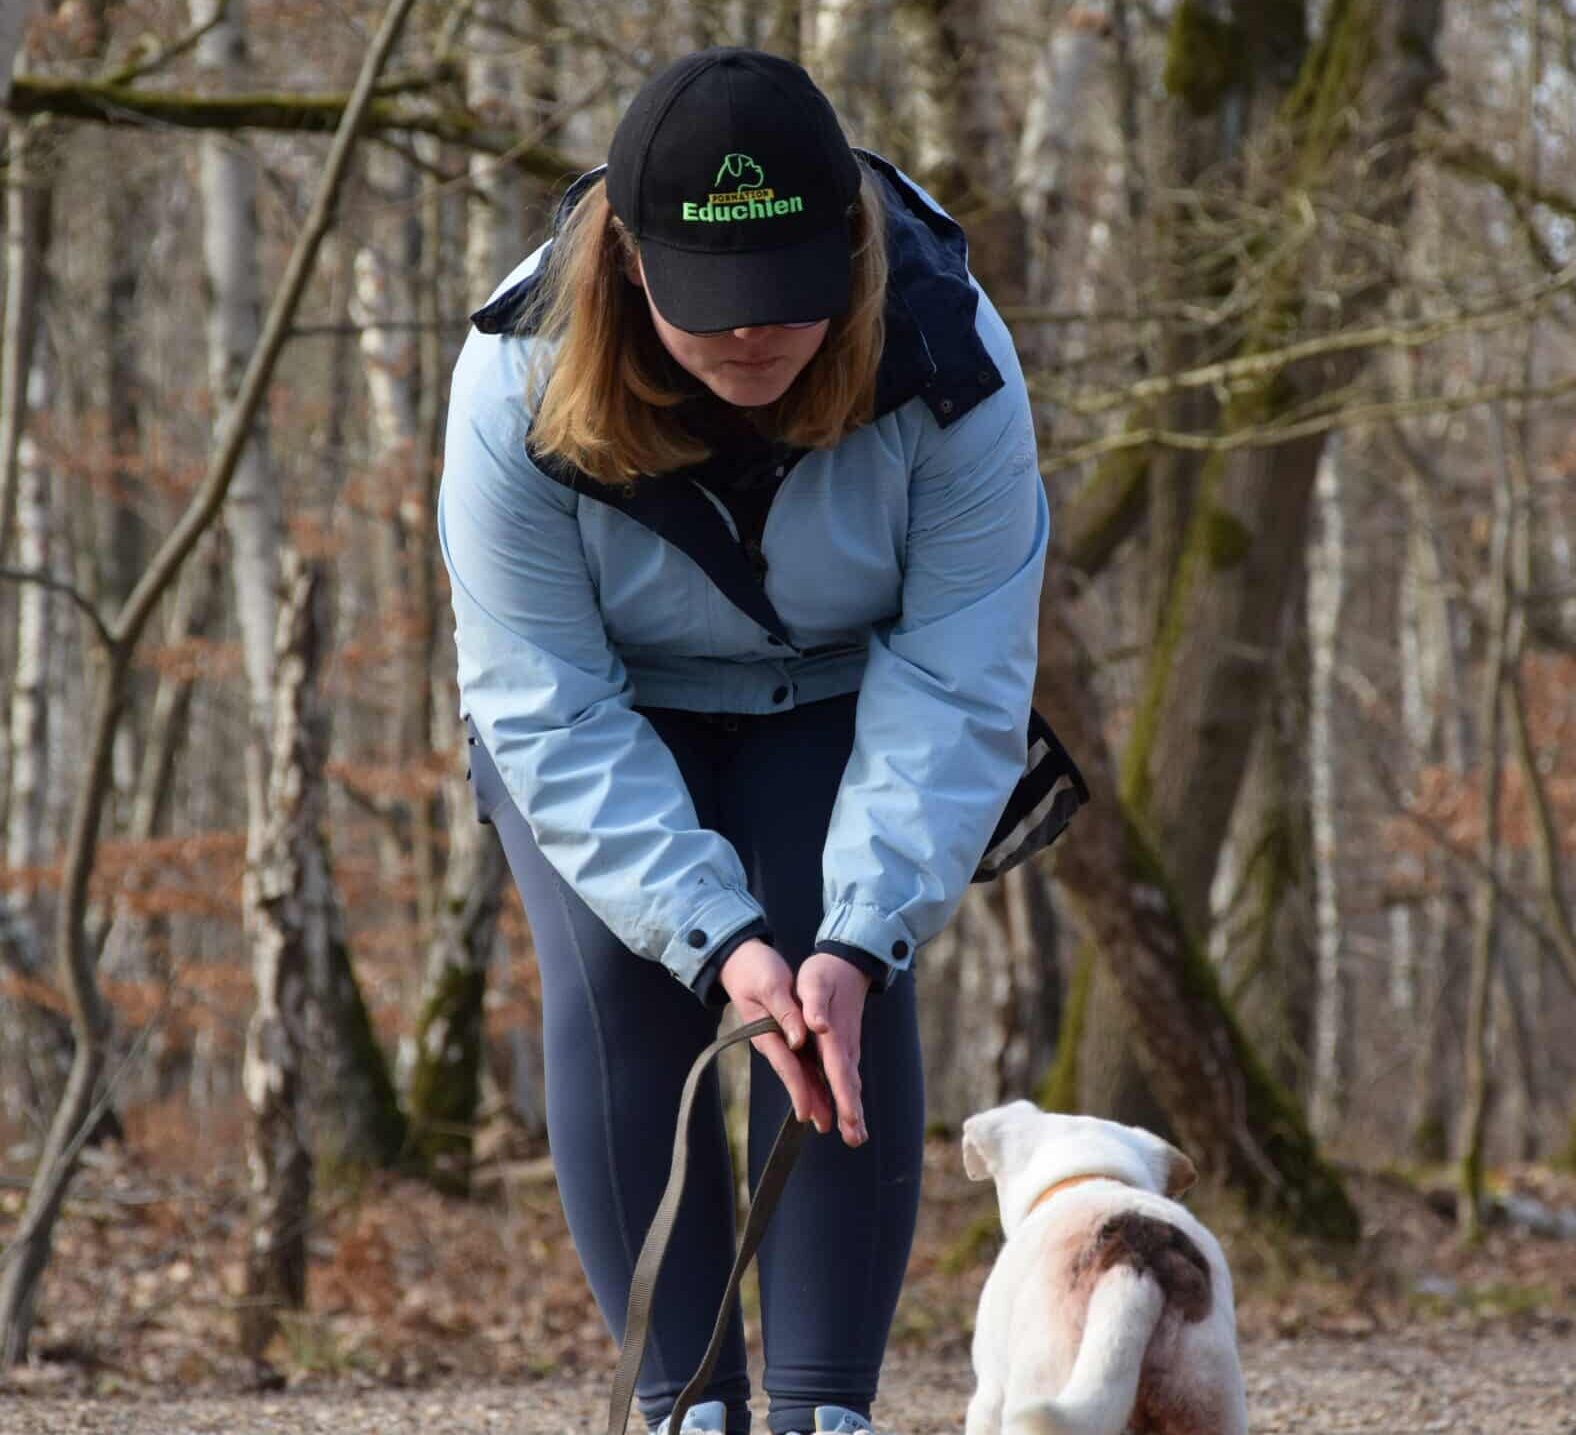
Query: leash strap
point(647, 1268)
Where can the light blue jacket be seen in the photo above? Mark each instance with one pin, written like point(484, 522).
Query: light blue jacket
point(905, 563)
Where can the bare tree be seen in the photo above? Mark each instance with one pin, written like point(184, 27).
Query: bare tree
point(27, 1256)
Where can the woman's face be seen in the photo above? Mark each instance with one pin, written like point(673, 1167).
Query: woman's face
point(747, 367)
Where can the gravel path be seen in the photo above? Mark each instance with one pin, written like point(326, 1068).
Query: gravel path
point(1427, 1380)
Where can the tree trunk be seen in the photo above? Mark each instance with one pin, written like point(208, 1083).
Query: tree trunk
point(276, 899)
point(356, 1116)
point(1061, 110)
point(963, 155)
point(1261, 924)
point(991, 977)
point(446, 1076)
point(30, 689)
point(990, 997)
point(254, 512)
point(1230, 64)
point(28, 196)
point(1333, 1018)
point(383, 306)
point(446, 1056)
point(1231, 1118)
point(1210, 667)
point(842, 52)
point(1472, 1124)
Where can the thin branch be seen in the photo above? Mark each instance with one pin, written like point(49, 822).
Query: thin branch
point(77, 596)
point(1271, 435)
point(1382, 774)
point(105, 103)
point(1465, 158)
point(1254, 368)
point(174, 50)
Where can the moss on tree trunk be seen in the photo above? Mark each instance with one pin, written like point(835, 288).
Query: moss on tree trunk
point(1059, 1088)
point(445, 1083)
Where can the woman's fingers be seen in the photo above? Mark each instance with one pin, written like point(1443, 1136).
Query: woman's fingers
point(785, 1011)
point(833, 993)
point(840, 1061)
point(809, 1101)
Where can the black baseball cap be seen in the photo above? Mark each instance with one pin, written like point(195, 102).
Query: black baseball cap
point(732, 173)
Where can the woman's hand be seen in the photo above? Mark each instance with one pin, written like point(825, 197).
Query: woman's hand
point(760, 983)
point(832, 993)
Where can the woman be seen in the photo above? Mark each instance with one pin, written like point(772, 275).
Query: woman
point(745, 535)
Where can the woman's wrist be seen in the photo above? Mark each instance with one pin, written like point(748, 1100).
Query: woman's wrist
point(876, 972)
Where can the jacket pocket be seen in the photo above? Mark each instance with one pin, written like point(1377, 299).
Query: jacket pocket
point(1050, 791)
point(487, 789)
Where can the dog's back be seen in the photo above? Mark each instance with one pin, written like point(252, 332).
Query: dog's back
point(1140, 1316)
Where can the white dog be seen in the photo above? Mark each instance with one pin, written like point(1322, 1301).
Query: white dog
point(1110, 1306)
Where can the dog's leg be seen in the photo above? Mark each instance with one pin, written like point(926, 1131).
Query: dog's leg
point(984, 1415)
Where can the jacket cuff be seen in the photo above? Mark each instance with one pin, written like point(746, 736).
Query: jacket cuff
point(870, 930)
point(706, 986)
point(705, 929)
point(880, 973)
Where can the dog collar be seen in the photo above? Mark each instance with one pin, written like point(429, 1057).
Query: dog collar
point(1050, 1191)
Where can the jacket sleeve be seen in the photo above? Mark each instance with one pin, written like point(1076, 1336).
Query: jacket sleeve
point(549, 695)
point(940, 732)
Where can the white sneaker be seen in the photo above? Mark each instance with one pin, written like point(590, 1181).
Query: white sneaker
point(710, 1416)
point(839, 1420)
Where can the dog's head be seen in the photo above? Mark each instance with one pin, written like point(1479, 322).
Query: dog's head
point(1027, 1151)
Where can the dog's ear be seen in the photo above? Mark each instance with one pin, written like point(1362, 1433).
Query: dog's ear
point(1181, 1174)
point(984, 1135)
point(979, 1148)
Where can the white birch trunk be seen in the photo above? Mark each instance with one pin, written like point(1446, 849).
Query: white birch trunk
point(495, 215)
point(29, 718)
point(37, 1041)
point(383, 307)
point(1326, 590)
point(27, 200)
point(276, 899)
point(253, 513)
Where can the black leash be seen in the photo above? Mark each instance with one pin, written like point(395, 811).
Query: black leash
point(643, 1286)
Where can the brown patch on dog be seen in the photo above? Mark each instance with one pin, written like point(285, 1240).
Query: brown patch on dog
point(1154, 1247)
point(1161, 1410)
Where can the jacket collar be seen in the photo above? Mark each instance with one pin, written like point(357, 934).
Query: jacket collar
point(932, 350)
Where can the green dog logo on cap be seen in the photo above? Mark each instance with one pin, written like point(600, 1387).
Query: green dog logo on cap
point(735, 166)
point(747, 198)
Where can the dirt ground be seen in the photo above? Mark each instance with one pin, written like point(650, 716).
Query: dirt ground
point(1472, 1383)
point(431, 1315)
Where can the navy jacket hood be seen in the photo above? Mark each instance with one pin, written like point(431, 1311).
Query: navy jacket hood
point(932, 350)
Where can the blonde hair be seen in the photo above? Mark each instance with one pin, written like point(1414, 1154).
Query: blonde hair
point(608, 407)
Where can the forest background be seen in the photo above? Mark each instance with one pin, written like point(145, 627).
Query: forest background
point(1292, 285)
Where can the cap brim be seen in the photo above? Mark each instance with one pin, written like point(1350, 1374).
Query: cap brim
point(795, 284)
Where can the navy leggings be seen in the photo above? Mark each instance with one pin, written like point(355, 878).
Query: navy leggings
point(621, 1034)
